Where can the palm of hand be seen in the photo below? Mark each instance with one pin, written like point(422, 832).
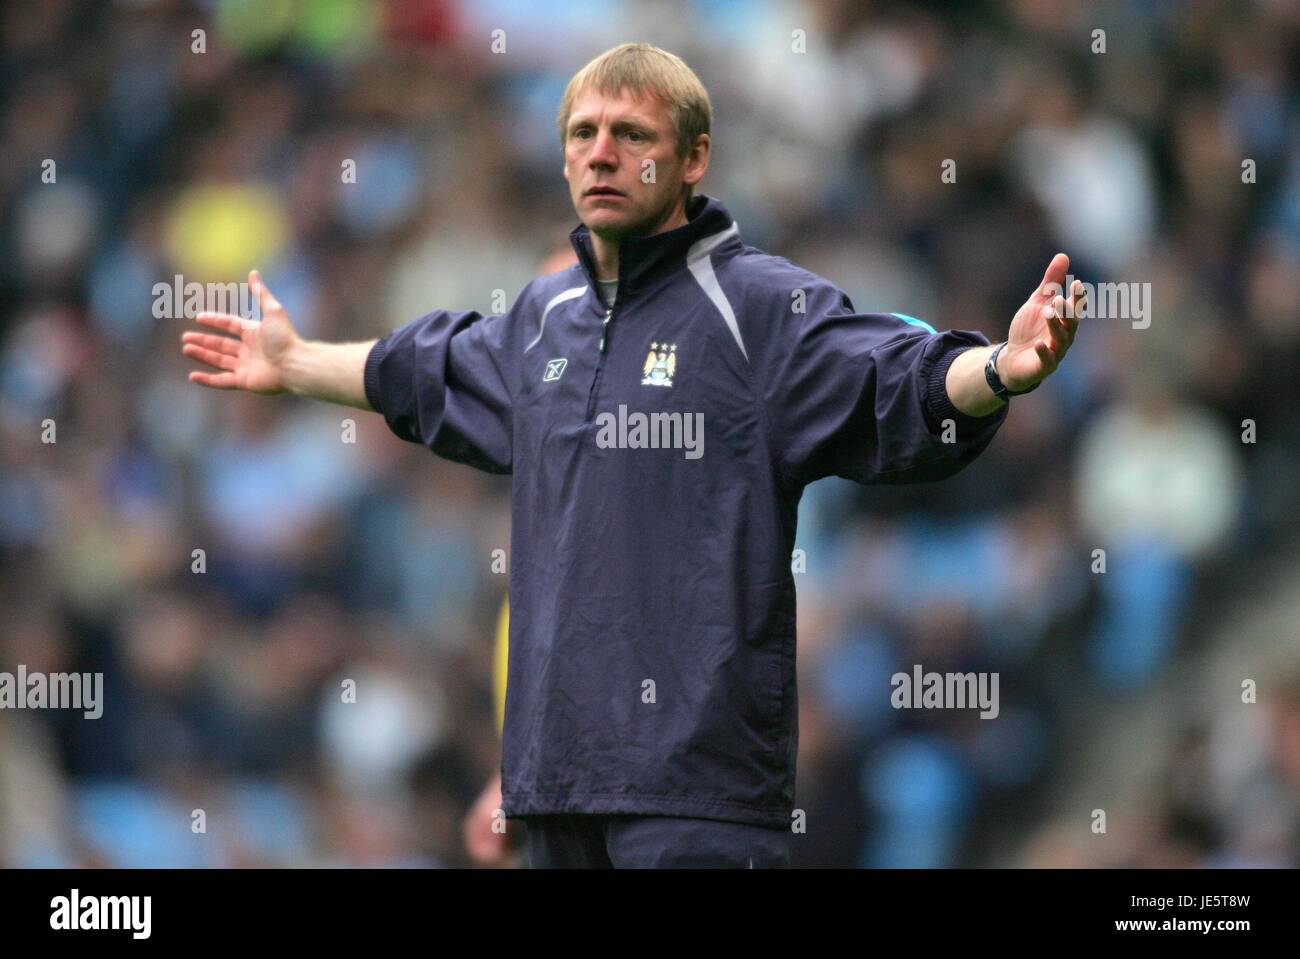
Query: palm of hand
point(1042, 330)
point(254, 357)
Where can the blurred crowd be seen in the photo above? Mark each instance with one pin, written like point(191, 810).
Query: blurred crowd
point(233, 565)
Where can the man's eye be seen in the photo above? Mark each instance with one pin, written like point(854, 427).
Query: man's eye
point(635, 136)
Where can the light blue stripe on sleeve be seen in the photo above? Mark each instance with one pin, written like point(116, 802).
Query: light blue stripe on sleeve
point(915, 322)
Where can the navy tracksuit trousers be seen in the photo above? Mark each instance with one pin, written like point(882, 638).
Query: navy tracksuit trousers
point(596, 841)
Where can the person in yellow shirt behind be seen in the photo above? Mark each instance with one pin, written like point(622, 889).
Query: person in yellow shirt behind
point(486, 839)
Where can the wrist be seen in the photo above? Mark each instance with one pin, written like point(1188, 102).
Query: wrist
point(295, 366)
point(995, 377)
point(965, 386)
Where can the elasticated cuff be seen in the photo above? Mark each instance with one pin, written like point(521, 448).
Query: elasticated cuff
point(938, 405)
point(371, 378)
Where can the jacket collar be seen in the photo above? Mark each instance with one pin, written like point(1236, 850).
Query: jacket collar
point(642, 260)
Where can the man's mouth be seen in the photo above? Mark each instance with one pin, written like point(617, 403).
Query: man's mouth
point(608, 191)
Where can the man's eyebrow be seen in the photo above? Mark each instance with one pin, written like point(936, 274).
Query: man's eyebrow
point(639, 122)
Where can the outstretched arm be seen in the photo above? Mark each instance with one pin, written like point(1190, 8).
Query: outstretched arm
point(1040, 335)
point(270, 357)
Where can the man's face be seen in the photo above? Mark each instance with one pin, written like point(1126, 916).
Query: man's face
point(613, 145)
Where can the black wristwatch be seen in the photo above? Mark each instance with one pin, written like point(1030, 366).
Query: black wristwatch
point(995, 381)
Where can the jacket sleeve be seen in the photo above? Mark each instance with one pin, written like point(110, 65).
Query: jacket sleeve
point(862, 395)
point(446, 380)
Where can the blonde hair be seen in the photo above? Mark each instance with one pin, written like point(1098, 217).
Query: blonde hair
point(647, 70)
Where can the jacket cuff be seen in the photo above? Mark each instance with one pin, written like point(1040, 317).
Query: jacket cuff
point(371, 377)
point(938, 405)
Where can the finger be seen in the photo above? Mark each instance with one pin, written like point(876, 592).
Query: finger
point(265, 299)
point(1060, 336)
point(211, 357)
point(1064, 304)
point(1054, 277)
point(1054, 334)
point(222, 344)
point(219, 381)
point(224, 321)
point(1078, 300)
point(1059, 324)
point(1046, 355)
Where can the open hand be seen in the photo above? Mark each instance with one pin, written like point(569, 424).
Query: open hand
point(1042, 330)
point(254, 357)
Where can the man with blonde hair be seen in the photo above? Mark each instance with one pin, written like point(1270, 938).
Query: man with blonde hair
point(661, 406)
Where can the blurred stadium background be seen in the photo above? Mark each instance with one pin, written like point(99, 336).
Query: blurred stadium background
point(1120, 691)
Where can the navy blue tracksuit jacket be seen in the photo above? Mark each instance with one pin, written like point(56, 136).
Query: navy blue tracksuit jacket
point(652, 604)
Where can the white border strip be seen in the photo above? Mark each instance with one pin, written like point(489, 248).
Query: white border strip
point(556, 300)
point(701, 266)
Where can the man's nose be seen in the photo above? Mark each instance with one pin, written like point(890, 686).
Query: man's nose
point(603, 151)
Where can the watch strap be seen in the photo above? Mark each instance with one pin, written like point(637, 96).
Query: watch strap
point(995, 381)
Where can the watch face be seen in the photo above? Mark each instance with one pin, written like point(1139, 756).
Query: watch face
point(991, 374)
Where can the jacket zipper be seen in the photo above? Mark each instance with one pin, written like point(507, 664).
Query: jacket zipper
point(600, 363)
point(604, 327)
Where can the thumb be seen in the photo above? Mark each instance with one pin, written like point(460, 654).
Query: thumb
point(265, 299)
point(1053, 284)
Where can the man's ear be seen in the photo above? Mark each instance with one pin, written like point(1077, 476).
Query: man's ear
point(697, 160)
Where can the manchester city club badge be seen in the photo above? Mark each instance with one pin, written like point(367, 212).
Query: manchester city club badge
point(660, 365)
